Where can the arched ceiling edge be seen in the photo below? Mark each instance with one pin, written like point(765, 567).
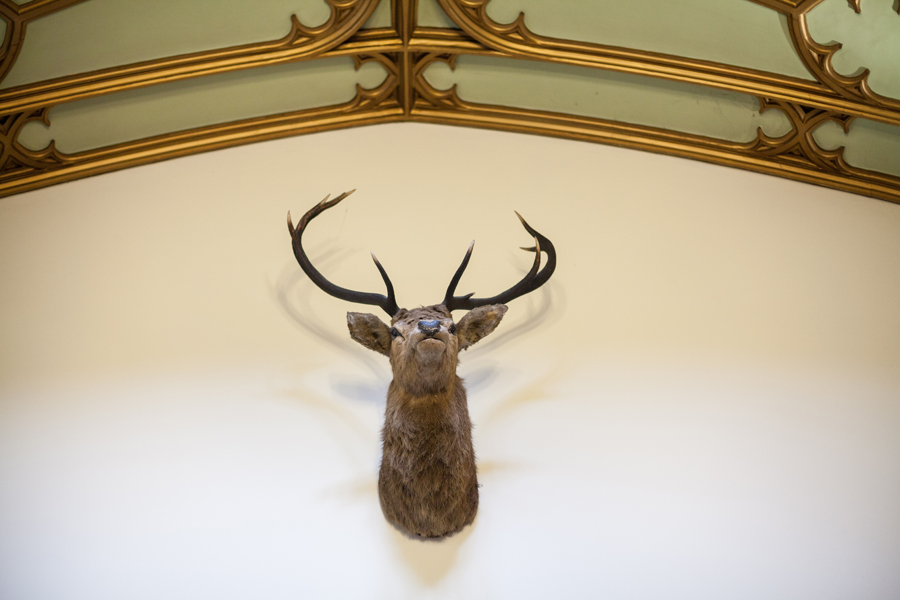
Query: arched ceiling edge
point(405, 50)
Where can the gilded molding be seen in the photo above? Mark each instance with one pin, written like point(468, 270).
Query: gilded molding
point(516, 40)
point(17, 18)
point(795, 155)
point(15, 160)
point(405, 51)
point(798, 145)
point(818, 57)
point(301, 43)
point(49, 166)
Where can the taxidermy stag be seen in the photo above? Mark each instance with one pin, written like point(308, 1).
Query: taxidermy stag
point(427, 482)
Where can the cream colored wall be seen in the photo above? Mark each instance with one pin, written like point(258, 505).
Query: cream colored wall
point(703, 403)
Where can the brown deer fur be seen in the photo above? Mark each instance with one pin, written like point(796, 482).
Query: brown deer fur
point(427, 483)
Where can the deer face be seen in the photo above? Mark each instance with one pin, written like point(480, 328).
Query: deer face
point(424, 343)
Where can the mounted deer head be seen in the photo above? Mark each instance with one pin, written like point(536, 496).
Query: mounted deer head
point(427, 483)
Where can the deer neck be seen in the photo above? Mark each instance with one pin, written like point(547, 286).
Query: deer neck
point(414, 409)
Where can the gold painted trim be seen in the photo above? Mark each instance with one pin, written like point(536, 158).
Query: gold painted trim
point(513, 40)
point(405, 51)
point(818, 57)
point(795, 155)
point(47, 167)
point(17, 18)
point(516, 40)
point(301, 43)
point(659, 141)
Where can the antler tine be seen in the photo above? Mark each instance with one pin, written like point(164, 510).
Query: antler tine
point(449, 299)
point(532, 280)
point(546, 245)
point(387, 281)
point(387, 303)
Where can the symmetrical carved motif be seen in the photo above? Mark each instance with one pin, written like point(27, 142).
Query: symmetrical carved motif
point(301, 43)
point(25, 169)
point(16, 161)
point(795, 155)
point(405, 51)
point(515, 39)
point(799, 143)
point(818, 57)
point(428, 96)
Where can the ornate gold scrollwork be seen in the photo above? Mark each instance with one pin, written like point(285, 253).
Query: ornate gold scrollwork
point(818, 57)
point(425, 93)
point(367, 99)
point(405, 51)
point(301, 43)
point(22, 169)
point(799, 143)
point(516, 40)
point(795, 155)
point(16, 161)
point(17, 18)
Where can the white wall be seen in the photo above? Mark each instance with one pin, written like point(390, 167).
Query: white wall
point(703, 403)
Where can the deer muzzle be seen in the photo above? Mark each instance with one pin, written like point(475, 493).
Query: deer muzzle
point(430, 328)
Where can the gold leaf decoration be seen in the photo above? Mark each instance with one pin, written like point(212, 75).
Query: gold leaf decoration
point(17, 18)
point(301, 43)
point(405, 51)
point(818, 57)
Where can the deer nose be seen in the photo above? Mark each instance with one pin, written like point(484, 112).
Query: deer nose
point(429, 328)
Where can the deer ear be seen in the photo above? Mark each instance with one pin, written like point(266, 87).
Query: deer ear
point(477, 323)
point(370, 331)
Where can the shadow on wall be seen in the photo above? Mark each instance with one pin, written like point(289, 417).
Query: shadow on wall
point(537, 313)
point(293, 289)
point(430, 561)
point(292, 292)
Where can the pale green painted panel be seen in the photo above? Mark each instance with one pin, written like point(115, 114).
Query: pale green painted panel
point(869, 145)
point(381, 17)
point(735, 32)
point(136, 114)
point(429, 14)
point(606, 95)
point(106, 33)
point(432, 15)
point(870, 39)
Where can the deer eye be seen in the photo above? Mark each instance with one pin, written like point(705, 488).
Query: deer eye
point(394, 332)
point(452, 329)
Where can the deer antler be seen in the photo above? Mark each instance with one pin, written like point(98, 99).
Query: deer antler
point(387, 303)
point(532, 281)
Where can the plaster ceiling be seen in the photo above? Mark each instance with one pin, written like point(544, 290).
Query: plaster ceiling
point(90, 86)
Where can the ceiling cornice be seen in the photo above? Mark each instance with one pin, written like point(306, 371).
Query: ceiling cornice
point(405, 50)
